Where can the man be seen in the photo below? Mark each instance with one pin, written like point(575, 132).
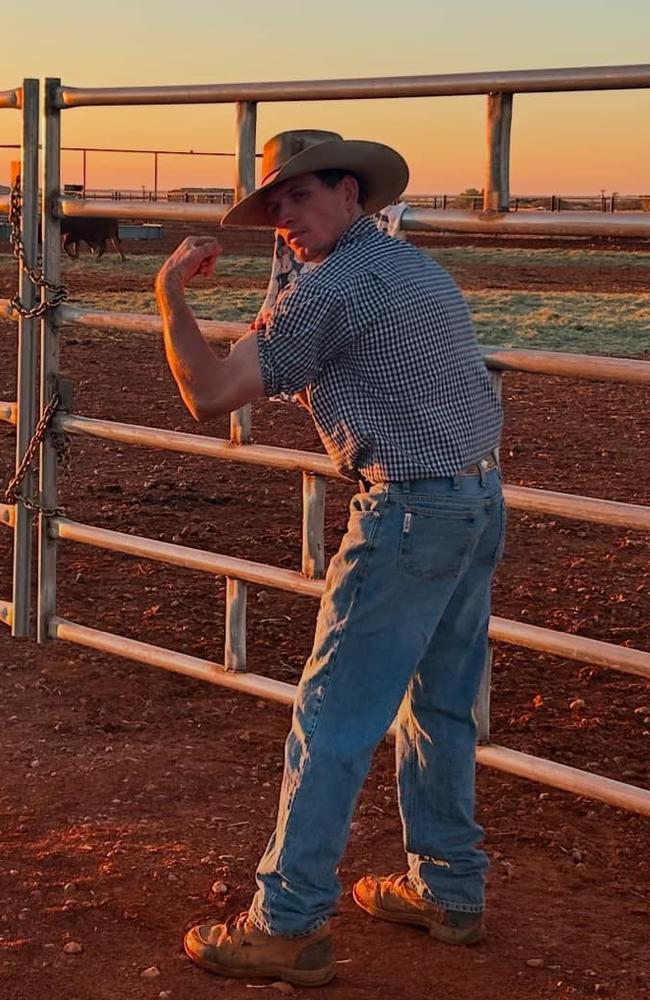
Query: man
point(377, 340)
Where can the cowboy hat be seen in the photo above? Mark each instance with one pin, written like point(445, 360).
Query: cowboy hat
point(381, 170)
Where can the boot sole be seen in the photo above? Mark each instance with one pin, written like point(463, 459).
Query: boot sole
point(438, 931)
point(296, 977)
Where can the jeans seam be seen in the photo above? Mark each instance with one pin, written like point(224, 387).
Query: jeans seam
point(257, 919)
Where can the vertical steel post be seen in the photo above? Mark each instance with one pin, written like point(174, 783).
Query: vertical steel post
point(235, 647)
point(26, 376)
point(496, 193)
point(84, 171)
point(155, 176)
point(51, 189)
point(482, 703)
point(240, 421)
point(313, 525)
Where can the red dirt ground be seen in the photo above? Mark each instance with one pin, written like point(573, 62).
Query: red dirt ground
point(128, 792)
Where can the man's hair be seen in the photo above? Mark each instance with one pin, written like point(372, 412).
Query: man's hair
point(330, 178)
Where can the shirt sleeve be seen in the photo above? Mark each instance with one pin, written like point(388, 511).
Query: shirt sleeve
point(306, 329)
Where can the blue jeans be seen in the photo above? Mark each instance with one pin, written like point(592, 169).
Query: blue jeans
point(401, 631)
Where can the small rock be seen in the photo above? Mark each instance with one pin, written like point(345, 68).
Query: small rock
point(69, 888)
point(576, 855)
point(164, 994)
point(72, 948)
point(577, 704)
point(535, 963)
point(219, 888)
point(283, 987)
point(151, 973)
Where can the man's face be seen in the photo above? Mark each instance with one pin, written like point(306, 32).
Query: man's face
point(310, 216)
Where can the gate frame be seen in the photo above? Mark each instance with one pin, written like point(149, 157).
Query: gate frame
point(499, 89)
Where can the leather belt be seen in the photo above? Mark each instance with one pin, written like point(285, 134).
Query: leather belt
point(476, 469)
point(484, 465)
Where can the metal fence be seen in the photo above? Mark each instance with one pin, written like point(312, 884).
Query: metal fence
point(315, 468)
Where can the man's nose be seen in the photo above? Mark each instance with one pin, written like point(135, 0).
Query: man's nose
point(285, 214)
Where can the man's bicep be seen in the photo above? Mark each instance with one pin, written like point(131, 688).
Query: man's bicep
point(242, 374)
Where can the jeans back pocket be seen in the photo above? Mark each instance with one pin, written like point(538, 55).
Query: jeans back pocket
point(437, 540)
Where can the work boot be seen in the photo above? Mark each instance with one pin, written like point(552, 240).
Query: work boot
point(239, 950)
point(392, 898)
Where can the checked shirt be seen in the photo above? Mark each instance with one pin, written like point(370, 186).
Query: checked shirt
point(380, 338)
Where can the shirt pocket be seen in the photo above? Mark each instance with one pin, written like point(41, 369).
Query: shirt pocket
point(438, 540)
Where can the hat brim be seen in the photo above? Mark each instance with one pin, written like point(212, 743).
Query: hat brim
point(382, 170)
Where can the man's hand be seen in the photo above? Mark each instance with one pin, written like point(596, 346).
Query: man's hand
point(208, 386)
point(196, 255)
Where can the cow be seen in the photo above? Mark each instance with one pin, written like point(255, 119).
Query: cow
point(95, 232)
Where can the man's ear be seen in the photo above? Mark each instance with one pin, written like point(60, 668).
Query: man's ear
point(350, 187)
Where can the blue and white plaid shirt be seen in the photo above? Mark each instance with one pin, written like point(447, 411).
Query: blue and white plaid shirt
point(382, 340)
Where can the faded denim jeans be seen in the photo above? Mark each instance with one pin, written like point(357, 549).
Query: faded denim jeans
point(401, 632)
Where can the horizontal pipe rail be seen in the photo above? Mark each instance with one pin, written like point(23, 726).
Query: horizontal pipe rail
point(588, 366)
point(442, 85)
point(6, 613)
point(632, 224)
point(198, 444)
point(10, 98)
point(180, 663)
point(91, 319)
point(8, 514)
point(568, 779)
point(622, 515)
point(183, 555)
point(8, 412)
point(83, 208)
point(524, 223)
point(547, 772)
point(572, 647)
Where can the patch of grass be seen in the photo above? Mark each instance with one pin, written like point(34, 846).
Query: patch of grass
point(503, 256)
point(253, 267)
point(238, 305)
point(578, 322)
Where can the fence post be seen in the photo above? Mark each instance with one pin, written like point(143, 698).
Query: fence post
point(26, 375)
point(482, 703)
point(240, 421)
point(496, 193)
point(313, 525)
point(235, 646)
point(51, 188)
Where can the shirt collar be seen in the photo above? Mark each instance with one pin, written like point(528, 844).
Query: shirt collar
point(357, 230)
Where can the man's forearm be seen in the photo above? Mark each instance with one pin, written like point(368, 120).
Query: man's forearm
point(196, 370)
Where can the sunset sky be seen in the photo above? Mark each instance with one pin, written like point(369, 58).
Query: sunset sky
point(561, 143)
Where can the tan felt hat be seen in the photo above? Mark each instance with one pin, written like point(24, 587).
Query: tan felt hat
point(382, 170)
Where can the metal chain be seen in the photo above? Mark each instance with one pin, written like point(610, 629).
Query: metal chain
point(58, 292)
point(13, 492)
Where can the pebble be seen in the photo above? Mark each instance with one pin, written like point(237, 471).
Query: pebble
point(219, 888)
point(72, 948)
point(164, 994)
point(151, 973)
point(576, 704)
point(535, 963)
